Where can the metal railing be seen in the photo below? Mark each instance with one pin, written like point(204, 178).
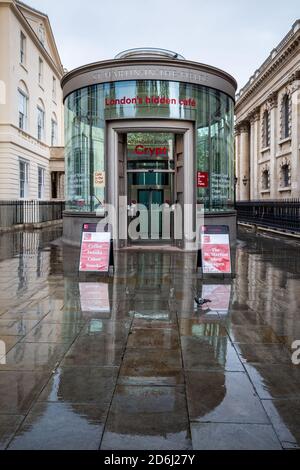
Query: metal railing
point(279, 214)
point(29, 212)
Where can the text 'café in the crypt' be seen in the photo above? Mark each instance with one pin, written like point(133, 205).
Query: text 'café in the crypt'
point(146, 132)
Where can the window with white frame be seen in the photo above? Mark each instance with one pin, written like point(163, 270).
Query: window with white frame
point(41, 182)
point(23, 178)
point(53, 132)
point(41, 71)
point(40, 123)
point(22, 48)
point(23, 109)
point(54, 88)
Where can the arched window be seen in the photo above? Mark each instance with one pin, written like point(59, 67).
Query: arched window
point(266, 129)
point(285, 175)
point(285, 116)
point(40, 120)
point(266, 180)
point(23, 100)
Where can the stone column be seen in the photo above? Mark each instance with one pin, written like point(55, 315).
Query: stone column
point(295, 134)
point(254, 149)
point(244, 162)
point(62, 186)
point(273, 103)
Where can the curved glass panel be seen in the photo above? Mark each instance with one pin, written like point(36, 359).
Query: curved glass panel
point(87, 110)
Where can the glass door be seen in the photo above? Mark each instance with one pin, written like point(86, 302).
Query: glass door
point(150, 180)
point(151, 214)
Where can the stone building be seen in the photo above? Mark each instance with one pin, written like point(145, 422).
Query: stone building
point(268, 126)
point(31, 111)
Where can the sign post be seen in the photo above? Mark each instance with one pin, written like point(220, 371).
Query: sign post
point(96, 255)
point(215, 250)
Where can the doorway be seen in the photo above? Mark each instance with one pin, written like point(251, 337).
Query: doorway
point(150, 183)
point(151, 171)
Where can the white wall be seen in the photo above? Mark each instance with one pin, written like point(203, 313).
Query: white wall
point(14, 143)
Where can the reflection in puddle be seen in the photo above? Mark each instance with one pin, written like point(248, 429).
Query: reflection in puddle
point(219, 296)
point(135, 345)
point(2, 352)
point(94, 297)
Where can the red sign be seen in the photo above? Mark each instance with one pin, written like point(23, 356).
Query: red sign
point(216, 257)
point(151, 151)
point(151, 100)
point(202, 179)
point(95, 252)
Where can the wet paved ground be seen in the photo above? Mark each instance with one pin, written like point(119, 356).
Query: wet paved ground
point(129, 362)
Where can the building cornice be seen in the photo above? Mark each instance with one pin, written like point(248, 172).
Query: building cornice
point(269, 68)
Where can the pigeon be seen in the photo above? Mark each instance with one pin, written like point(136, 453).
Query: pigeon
point(199, 301)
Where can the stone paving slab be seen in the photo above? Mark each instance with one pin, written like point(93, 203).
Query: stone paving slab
point(224, 436)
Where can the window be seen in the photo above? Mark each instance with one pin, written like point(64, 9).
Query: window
point(40, 124)
point(266, 180)
point(285, 116)
point(54, 88)
point(266, 129)
point(53, 132)
point(285, 175)
point(23, 110)
point(41, 71)
point(23, 178)
point(41, 182)
point(22, 48)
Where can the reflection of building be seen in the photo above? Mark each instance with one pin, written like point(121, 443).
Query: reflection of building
point(31, 113)
point(120, 113)
point(268, 126)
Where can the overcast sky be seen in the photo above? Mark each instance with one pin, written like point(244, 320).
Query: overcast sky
point(235, 35)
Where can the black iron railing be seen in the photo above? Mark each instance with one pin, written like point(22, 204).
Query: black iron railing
point(279, 214)
point(29, 212)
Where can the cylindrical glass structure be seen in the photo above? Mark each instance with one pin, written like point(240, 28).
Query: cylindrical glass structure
point(89, 108)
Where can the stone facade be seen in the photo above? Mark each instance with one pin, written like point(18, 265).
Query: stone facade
point(31, 109)
point(268, 126)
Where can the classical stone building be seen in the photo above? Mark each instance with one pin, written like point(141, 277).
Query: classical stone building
point(31, 111)
point(268, 126)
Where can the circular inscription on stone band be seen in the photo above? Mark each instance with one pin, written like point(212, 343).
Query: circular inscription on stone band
point(91, 75)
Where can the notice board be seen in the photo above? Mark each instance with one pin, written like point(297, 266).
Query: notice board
point(215, 249)
point(95, 251)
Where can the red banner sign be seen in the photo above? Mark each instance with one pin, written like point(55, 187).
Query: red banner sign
point(202, 179)
point(95, 252)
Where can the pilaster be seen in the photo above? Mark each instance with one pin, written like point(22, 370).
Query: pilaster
point(273, 106)
point(295, 134)
point(244, 168)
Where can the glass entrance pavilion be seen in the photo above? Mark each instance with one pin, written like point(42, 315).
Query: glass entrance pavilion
point(154, 129)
